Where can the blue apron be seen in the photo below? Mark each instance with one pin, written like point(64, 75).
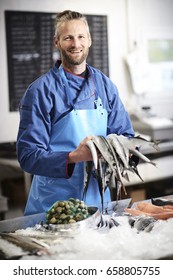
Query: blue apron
point(66, 135)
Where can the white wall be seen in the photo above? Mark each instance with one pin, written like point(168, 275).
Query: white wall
point(148, 16)
point(151, 19)
point(128, 21)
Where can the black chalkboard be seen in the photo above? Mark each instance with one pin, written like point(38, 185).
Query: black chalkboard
point(30, 50)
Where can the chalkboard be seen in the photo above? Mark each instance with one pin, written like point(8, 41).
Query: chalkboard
point(31, 53)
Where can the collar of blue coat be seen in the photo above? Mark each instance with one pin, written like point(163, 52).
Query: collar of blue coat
point(80, 84)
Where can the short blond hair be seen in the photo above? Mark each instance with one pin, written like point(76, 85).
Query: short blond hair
point(68, 15)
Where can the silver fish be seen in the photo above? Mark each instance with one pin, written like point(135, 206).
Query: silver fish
point(26, 243)
point(114, 188)
point(140, 141)
point(142, 157)
point(88, 166)
point(131, 144)
point(142, 223)
point(105, 151)
point(113, 157)
point(120, 149)
point(93, 150)
point(117, 164)
point(101, 182)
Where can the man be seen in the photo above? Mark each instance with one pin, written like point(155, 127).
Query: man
point(59, 112)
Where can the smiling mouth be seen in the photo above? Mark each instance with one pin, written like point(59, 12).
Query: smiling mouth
point(75, 52)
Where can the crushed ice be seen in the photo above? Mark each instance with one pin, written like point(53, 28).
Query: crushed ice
point(122, 242)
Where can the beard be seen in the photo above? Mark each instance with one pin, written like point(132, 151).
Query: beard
point(69, 60)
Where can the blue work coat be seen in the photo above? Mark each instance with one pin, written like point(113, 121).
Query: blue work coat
point(47, 101)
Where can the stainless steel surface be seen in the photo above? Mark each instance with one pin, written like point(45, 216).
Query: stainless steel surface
point(156, 130)
point(10, 225)
point(156, 133)
point(24, 222)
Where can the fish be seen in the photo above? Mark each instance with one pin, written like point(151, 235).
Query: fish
point(116, 165)
point(112, 183)
point(26, 243)
point(93, 150)
point(112, 158)
point(133, 167)
point(101, 185)
point(107, 222)
point(148, 209)
point(141, 142)
point(10, 251)
point(104, 150)
point(119, 149)
point(114, 188)
point(170, 207)
point(157, 216)
point(117, 173)
point(131, 144)
point(161, 201)
point(88, 167)
point(142, 157)
point(124, 154)
point(142, 223)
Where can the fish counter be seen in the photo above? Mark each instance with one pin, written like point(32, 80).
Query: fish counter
point(140, 231)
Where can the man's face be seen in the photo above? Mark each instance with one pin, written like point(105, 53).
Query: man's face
point(74, 42)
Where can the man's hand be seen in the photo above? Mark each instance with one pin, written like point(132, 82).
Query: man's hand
point(82, 152)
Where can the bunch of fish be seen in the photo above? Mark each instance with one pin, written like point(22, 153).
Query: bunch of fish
point(113, 157)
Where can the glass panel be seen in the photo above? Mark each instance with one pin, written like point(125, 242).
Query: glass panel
point(160, 50)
